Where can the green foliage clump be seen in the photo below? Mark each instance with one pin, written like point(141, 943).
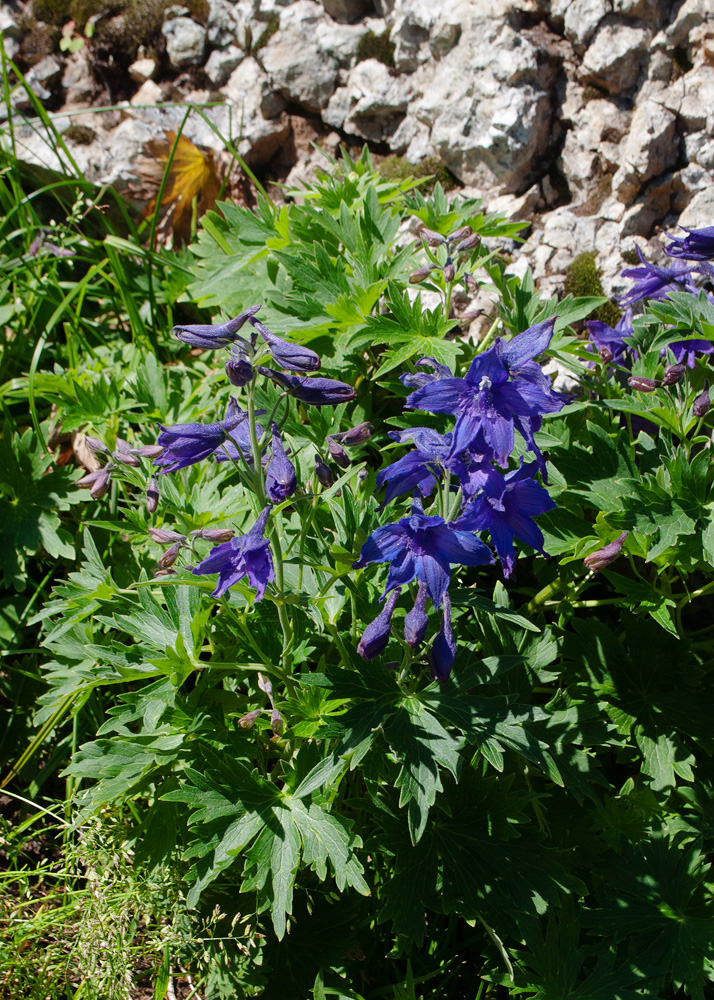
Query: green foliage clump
point(584, 278)
point(373, 46)
point(83, 135)
point(398, 169)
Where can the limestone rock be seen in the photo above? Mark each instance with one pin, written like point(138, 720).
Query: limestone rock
point(148, 93)
point(372, 102)
point(591, 149)
point(227, 22)
point(301, 69)
point(615, 57)
point(142, 69)
point(347, 11)
point(582, 18)
point(651, 147)
point(43, 77)
point(185, 41)
point(221, 63)
point(259, 111)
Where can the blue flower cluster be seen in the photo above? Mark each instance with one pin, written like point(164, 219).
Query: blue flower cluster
point(182, 445)
point(504, 391)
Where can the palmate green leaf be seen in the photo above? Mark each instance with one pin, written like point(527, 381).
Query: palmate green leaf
point(656, 899)
point(31, 495)
point(422, 746)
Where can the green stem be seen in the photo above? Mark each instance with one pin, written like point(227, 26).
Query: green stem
point(483, 344)
point(255, 448)
point(346, 658)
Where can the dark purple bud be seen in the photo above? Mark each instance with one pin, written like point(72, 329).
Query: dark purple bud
point(214, 534)
point(641, 384)
point(124, 458)
point(211, 336)
point(702, 403)
point(248, 721)
point(421, 274)
point(603, 557)
point(459, 234)
point(323, 473)
point(287, 355)
point(148, 450)
point(312, 391)
point(265, 686)
point(355, 435)
point(164, 572)
point(165, 536)
point(277, 723)
point(432, 238)
point(605, 355)
point(280, 478)
point(338, 453)
point(239, 370)
point(98, 482)
point(376, 636)
point(96, 445)
point(469, 243)
point(471, 283)
point(443, 648)
point(449, 271)
point(673, 374)
point(152, 495)
point(169, 556)
point(417, 620)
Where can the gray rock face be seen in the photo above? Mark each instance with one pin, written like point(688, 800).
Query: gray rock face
point(185, 42)
point(347, 11)
point(42, 78)
point(615, 57)
point(221, 63)
point(650, 148)
point(301, 69)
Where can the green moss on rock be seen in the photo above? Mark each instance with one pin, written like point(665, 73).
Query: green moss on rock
point(372, 46)
point(584, 278)
point(398, 169)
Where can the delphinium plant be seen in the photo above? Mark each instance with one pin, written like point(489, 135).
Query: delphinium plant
point(411, 647)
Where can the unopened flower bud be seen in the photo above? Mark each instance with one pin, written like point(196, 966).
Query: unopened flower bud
point(443, 649)
point(96, 445)
point(148, 450)
point(354, 436)
point(673, 374)
point(248, 721)
point(165, 536)
point(432, 238)
point(702, 403)
point(170, 555)
point(449, 271)
point(338, 453)
point(471, 283)
point(164, 572)
point(417, 620)
point(605, 355)
point(214, 534)
point(98, 482)
point(603, 557)
point(376, 636)
point(277, 723)
point(323, 473)
point(421, 274)
point(239, 371)
point(469, 243)
point(641, 384)
point(125, 458)
point(265, 686)
point(152, 495)
point(469, 317)
point(459, 234)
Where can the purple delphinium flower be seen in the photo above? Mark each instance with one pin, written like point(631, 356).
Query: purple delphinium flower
point(376, 636)
point(443, 649)
point(502, 389)
point(312, 391)
point(186, 444)
point(416, 380)
point(422, 546)
point(611, 338)
point(420, 468)
point(280, 478)
point(210, 336)
point(287, 355)
point(505, 508)
point(685, 351)
point(653, 282)
point(238, 440)
point(698, 244)
point(246, 555)
point(238, 369)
